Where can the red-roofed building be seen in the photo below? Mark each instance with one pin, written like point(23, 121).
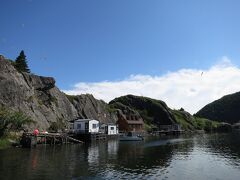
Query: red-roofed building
point(127, 123)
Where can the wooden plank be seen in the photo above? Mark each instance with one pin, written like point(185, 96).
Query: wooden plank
point(74, 140)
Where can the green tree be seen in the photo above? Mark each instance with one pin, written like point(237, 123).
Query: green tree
point(12, 121)
point(21, 63)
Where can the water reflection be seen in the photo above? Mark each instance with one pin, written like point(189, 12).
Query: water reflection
point(224, 147)
point(214, 156)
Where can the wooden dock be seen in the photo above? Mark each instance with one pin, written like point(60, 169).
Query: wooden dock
point(89, 137)
point(30, 140)
point(168, 132)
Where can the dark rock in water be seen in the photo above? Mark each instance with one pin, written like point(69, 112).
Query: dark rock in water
point(28, 141)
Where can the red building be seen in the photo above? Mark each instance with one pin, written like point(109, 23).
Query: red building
point(127, 123)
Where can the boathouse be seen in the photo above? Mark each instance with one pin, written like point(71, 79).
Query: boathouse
point(128, 123)
point(109, 129)
point(84, 126)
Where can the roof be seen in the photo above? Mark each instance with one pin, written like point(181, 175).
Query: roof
point(135, 122)
point(84, 120)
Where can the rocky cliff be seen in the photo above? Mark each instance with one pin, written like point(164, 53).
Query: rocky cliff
point(151, 110)
point(88, 107)
point(39, 98)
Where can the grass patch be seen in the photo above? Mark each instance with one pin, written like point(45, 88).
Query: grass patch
point(205, 124)
point(4, 143)
point(71, 98)
point(110, 109)
point(189, 122)
point(184, 120)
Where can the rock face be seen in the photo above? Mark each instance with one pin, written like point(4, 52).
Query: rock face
point(39, 98)
point(124, 110)
point(225, 109)
point(152, 111)
point(88, 107)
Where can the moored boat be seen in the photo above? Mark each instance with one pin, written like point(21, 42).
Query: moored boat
point(130, 136)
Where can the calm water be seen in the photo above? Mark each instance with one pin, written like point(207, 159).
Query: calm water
point(198, 157)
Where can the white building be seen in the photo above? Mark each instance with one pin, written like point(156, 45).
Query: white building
point(109, 129)
point(85, 126)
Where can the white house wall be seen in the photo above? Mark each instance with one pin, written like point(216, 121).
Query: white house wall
point(90, 126)
point(82, 126)
point(114, 131)
point(95, 130)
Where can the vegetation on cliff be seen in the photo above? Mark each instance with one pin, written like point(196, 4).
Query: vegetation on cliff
point(21, 63)
point(189, 122)
point(154, 112)
point(225, 109)
point(60, 124)
point(11, 121)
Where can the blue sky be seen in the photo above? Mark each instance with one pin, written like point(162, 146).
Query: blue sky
point(109, 40)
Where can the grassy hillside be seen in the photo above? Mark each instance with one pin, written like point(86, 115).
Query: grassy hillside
point(189, 122)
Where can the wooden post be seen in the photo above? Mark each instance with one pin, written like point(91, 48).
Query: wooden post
point(45, 139)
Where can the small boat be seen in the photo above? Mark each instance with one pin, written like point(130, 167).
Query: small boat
point(130, 136)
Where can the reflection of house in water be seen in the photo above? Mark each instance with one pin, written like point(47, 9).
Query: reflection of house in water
point(112, 147)
point(97, 152)
point(93, 155)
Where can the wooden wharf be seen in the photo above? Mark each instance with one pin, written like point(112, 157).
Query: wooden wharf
point(30, 140)
point(168, 132)
point(89, 137)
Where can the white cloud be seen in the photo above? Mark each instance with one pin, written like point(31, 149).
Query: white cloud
point(187, 88)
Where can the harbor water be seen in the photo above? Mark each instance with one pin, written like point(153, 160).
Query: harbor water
point(198, 157)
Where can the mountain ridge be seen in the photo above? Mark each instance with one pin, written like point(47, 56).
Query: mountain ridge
point(225, 109)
